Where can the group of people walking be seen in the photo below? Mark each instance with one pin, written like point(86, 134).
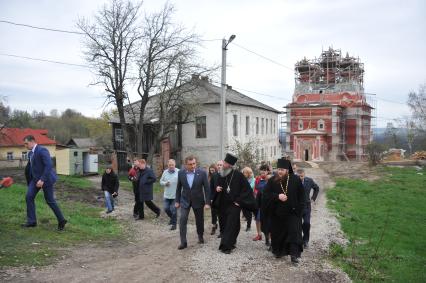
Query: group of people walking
point(279, 201)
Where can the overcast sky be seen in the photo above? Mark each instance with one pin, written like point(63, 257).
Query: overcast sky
point(388, 36)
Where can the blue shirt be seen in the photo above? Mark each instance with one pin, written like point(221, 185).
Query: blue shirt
point(190, 177)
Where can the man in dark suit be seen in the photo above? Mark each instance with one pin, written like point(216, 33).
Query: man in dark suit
point(192, 190)
point(308, 185)
point(40, 175)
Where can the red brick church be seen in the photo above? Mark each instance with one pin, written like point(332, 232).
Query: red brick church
point(329, 117)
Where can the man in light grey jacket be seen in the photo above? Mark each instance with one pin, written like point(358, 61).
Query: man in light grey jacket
point(169, 181)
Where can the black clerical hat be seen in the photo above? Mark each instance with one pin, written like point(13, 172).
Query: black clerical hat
point(230, 159)
point(284, 164)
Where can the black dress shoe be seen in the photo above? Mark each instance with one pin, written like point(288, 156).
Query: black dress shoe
point(305, 245)
point(267, 242)
point(214, 228)
point(294, 259)
point(28, 225)
point(248, 228)
point(173, 227)
point(182, 246)
point(226, 251)
point(200, 240)
point(61, 225)
point(139, 218)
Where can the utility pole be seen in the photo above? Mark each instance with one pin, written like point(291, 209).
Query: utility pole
point(222, 117)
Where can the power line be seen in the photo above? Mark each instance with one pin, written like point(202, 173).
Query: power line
point(69, 31)
point(261, 56)
point(43, 60)
point(259, 93)
point(41, 28)
point(255, 92)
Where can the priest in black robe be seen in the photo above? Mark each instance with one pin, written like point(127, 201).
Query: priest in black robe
point(233, 194)
point(284, 199)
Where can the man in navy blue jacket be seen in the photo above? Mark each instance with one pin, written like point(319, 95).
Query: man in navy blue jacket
point(40, 175)
point(192, 190)
point(308, 185)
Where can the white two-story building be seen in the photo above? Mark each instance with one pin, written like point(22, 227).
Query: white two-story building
point(248, 120)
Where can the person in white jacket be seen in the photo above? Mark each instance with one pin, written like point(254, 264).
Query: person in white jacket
point(169, 182)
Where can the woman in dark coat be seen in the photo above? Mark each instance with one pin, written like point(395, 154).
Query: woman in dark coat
point(145, 179)
point(284, 200)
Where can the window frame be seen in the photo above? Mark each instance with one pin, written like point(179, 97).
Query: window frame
point(203, 130)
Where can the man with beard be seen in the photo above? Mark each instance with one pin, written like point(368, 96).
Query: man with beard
point(232, 194)
point(284, 198)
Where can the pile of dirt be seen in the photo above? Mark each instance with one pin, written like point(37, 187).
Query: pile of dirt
point(352, 169)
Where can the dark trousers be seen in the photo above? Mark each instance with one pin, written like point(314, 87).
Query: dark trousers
point(150, 204)
point(214, 215)
point(306, 222)
point(231, 218)
point(199, 222)
point(136, 194)
point(48, 196)
point(248, 215)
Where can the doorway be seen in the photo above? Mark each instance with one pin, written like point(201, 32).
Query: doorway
point(306, 155)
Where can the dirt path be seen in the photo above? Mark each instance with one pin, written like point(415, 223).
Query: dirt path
point(150, 254)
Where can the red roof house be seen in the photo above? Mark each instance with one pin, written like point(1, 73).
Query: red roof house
point(15, 136)
point(12, 149)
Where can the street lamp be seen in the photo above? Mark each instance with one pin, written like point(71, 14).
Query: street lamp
point(222, 118)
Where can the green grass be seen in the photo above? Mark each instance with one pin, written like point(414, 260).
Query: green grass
point(385, 222)
point(40, 245)
point(74, 181)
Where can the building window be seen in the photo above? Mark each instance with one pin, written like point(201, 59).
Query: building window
point(200, 127)
point(275, 129)
point(24, 155)
point(262, 127)
point(266, 132)
point(271, 126)
point(257, 125)
point(75, 153)
point(275, 150)
point(10, 156)
point(235, 125)
point(300, 125)
point(321, 124)
point(119, 135)
point(247, 125)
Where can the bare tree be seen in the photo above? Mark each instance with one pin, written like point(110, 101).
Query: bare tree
point(246, 153)
point(165, 63)
point(375, 153)
point(391, 135)
point(410, 129)
point(417, 104)
point(111, 42)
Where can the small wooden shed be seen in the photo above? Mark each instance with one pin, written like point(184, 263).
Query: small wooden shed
point(76, 161)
